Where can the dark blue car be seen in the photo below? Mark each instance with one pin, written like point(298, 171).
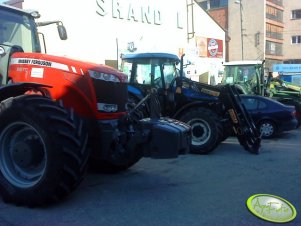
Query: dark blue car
point(271, 117)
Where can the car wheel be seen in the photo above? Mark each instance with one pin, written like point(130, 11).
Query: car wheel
point(267, 129)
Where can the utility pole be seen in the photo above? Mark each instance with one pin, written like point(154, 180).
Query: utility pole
point(241, 29)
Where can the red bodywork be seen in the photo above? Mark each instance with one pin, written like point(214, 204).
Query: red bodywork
point(70, 81)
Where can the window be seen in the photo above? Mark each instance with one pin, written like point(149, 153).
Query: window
point(277, 2)
point(213, 4)
point(18, 29)
point(273, 31)
point(170, 72)
point(253, 103)
point(274, 14)
point(296, 14)
point(274, 48)
point(143, 74)
point(218, 3)
point(261, 105)
point(250, 103)
point(296, 39)
point(203, 4)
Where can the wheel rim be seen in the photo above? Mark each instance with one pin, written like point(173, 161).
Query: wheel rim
point(22, 155)
point(266, 129)
point(200, 131)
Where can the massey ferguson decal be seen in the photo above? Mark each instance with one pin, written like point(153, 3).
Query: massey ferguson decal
point(38, 62)
point(35, 62)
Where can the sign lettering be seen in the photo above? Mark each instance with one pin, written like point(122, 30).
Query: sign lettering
point(131, 11)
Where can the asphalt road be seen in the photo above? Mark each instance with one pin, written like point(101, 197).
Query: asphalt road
point(190, 190)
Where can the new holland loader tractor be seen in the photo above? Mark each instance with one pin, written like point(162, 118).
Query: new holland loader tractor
point(45, 147)
point(213, 112)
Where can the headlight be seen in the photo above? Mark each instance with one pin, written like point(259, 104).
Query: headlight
point(107, 107)
point(103, 76)
point(2, 51)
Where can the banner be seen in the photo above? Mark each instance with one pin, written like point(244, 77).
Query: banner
point(209, 47)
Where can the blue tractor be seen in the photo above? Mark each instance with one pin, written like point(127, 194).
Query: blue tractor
point(213, 112)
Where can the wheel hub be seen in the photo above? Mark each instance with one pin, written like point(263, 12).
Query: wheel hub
point(266, 129)
point(29, 153)
point(198, 131)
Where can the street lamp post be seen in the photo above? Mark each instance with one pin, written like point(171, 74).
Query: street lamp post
point(241, 28)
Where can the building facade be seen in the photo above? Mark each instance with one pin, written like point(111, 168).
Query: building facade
point(255, 28)
point(101, 30)
point(292, 32)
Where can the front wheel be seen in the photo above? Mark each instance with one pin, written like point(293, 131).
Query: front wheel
point(206, 130)
point(43, 155)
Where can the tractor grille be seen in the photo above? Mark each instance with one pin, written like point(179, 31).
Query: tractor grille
point(111, 93)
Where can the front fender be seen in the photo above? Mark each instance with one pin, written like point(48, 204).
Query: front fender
point(134, 91)
point(17, 89)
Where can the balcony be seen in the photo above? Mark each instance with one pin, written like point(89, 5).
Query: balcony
point(276, 2)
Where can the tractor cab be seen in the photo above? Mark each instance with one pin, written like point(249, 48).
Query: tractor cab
point(159, 69)
point(18, 33)
point(247, 76)
point(152, 70)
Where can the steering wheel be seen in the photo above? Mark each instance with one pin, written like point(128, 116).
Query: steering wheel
point(249, 84)
point(158, 82)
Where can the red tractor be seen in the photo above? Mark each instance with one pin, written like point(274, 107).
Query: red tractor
point(46, 135)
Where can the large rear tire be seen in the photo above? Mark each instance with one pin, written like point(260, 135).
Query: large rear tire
point(43, 154)
point(206, 130)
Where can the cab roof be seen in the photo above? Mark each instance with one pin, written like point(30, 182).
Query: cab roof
point(150, 55)
point(243, 62)
point(15, 9)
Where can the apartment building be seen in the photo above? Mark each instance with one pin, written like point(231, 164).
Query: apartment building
point(292, 32)
point(255, 28)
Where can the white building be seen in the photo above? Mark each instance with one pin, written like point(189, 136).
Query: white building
point(100, 30)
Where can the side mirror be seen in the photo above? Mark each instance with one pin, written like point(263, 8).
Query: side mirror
point(60, 27)
point(62, 32)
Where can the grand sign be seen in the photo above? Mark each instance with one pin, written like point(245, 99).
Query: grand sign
point(132, 11)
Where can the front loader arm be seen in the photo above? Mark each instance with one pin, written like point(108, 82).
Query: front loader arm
point(242, 123)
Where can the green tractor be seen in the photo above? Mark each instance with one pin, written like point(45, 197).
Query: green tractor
point(251, 77)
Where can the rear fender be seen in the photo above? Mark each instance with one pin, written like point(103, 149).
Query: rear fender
point(191, 105)
point(17, 89)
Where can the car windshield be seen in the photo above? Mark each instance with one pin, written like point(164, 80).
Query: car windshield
point(18, 29)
